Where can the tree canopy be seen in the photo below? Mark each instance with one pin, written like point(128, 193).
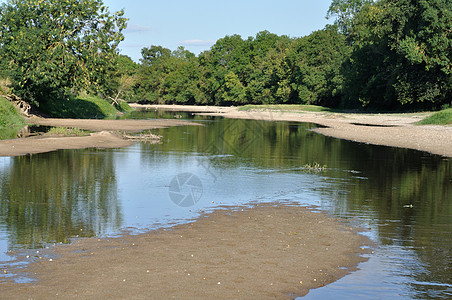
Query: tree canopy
point(383, 54)
point(52, 47)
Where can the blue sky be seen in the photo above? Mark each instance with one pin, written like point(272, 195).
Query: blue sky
point(197, 24)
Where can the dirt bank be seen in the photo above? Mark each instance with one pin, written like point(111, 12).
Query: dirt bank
point(396, 130)
point(110, 125)
point(105, 136)
point(26, 146)
point(265, 252)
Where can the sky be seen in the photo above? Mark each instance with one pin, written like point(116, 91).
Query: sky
point(198, 24)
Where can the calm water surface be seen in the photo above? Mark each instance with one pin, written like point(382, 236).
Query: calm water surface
point(403, 197)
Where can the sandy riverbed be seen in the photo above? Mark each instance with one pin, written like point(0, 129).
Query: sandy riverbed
point(264, 252)
point(104, 135)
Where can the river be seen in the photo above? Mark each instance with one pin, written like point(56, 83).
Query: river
point(403, 198)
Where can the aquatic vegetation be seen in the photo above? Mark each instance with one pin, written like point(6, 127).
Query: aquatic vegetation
point(314, 167)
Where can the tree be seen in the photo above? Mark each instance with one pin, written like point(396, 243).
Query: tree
point(345, 12)
point(122, 80)
point(316, 62)
point(401, 54)
point(55, 47)
point(154, 54)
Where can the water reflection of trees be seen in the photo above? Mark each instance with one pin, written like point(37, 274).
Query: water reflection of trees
point(395, 183)
point(53, 196)
point(371, 181)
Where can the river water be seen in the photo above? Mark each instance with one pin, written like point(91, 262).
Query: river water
point(402, 197)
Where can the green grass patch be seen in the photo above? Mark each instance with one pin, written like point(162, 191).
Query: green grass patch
point(123, 107)
point(443, 117)
point(83, 107)
point(10, 120)
point(67, 131)
point(287, 107)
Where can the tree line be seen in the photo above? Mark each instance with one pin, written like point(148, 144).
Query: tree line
point(384, 54)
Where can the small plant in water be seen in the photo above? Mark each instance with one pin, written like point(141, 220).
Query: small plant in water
point(314, 167)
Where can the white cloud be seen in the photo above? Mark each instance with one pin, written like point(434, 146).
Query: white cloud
point(195, 42)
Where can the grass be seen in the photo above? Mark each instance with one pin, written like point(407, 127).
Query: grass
point(10, 120)
point(83, 107)
point(67, 131)
point(287, 107)
point(123, 107)
point(443, 117)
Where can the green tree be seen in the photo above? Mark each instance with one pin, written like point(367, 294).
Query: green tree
point(154, 54)
point(233, 91)
point(345, 12)
point(316, 62)
point(169, 76)
point(123, 80)
point(53, 47)
point(401, 54)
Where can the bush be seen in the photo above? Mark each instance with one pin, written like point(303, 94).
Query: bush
point(10, 120)
point(84, 107)
point(123, 106)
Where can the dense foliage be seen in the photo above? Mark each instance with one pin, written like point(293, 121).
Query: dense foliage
point(382, 54)
point(402, 53)
point(52, 47)
point(265, 69)
point(10, 119)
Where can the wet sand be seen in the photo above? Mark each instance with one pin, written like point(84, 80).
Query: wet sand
point(395, 130)
point(106, 135)
point(264, 252)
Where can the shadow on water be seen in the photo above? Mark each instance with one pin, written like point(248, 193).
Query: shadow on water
point(402, 196)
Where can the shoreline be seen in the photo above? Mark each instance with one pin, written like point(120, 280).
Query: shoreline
point(393, 130)
point(274, 251)
point(227, 253)
point(105, 135)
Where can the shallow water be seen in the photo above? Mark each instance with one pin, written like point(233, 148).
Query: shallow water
point(402, 196)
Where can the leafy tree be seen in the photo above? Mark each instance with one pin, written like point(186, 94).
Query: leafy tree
point(122, 80)
point(233, 91)
point(316, 62)
point(168, 76)
point(345, 12)
point(401, 54)
point(229, 54)
point(154, 54)
point(53, 47)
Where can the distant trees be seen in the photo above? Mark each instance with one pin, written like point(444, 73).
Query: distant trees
point(50, 48)
point(265, 69)
point(382, 54)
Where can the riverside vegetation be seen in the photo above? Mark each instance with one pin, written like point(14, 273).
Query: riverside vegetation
point(379, 55)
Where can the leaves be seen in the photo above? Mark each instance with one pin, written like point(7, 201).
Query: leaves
point(53, 47)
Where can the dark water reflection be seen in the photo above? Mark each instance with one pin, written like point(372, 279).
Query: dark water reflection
point(402, 196)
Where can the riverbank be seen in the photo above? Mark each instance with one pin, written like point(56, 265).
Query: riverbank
point(268, 251)
point(105, 135)
point(395, 130)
